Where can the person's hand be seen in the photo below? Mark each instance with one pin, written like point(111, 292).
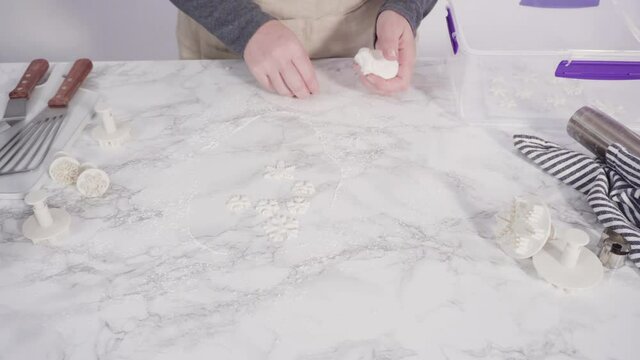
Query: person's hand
point(277, 59)
point(396, 41)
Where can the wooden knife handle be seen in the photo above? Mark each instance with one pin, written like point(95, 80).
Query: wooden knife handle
point(35, 71)
point(80, 70)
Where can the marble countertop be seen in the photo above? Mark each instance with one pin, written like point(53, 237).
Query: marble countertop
point(393, 258)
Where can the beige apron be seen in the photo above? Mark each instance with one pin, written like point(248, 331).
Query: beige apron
point(326, 28)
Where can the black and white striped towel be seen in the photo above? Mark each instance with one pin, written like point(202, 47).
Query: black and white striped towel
point(612, 186)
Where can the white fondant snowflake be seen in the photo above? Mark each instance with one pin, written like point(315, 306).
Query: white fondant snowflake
point(267, 207)
point(573, 89)
point(498, 91)
point(527, 78)
point(238, 204)
point(498, 80)
point(524, 94)
point(556, 101)
point(281, 171)
point(507, 103)
point(298, 205)
point(609, 108)
point(556, 81)
point(303, 188)
point(281, 227)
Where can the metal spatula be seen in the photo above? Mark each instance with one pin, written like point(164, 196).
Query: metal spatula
point(25, 146)
point(16, 110)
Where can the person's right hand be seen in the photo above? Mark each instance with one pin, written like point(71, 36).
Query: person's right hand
point(279, 62)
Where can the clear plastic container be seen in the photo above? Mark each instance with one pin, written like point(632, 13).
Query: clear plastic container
point(544, 59)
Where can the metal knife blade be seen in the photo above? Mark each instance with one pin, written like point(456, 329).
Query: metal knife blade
point(16, 110)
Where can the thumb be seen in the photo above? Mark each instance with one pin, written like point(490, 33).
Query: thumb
point(389, 47)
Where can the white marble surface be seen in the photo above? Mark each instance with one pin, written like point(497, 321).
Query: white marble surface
point(393, 258)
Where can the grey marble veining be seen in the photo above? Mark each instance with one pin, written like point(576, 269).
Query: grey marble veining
point(393, 259)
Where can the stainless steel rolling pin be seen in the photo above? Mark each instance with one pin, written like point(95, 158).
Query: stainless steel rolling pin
point(596, 130)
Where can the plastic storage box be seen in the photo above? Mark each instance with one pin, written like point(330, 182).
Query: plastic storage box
point(544, 59)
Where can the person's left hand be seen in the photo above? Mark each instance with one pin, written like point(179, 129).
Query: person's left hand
point(396, 41)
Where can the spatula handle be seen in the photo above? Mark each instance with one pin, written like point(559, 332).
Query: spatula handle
point(80, 70)
point(35, 71)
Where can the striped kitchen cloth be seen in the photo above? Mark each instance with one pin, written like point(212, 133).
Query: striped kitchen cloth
point(612, 186)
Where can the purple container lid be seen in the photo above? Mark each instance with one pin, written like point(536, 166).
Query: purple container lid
point(560, 4)
point(599, 70)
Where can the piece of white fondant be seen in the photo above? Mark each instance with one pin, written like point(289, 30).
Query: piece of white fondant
point(373, 62)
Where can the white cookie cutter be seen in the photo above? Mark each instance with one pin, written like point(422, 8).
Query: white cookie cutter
point(45, 223)
point(567, 264)
point(109, 134)
point(64, 169)
point(524, 228)
point(92, 182)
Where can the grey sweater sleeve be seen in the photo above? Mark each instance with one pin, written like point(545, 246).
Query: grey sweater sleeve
point(412, 10)
point(232, 21)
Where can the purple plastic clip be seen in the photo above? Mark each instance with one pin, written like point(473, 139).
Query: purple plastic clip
point(452, 31)
point(599, 70)
point(560, 4)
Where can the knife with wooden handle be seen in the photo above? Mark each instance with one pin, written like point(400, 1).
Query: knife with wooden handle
point(80, 70)
point(16, 110)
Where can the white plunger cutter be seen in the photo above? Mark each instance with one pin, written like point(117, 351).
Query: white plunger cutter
point(567, 264)
point(574, 244)
point(109, 134)
point(45, 223)
point(92, 182)
point(64, 169)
